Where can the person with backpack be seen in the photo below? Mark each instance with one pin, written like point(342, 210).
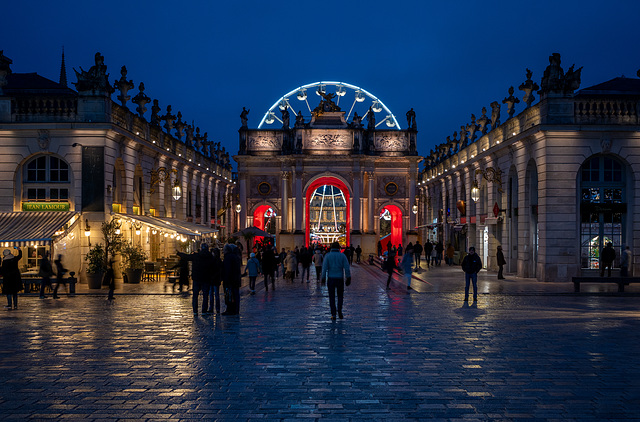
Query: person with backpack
point(471, 265)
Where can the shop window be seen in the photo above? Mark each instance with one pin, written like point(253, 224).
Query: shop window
point(46, 179)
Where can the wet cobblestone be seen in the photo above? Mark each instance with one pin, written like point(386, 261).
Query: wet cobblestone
point(528, 351)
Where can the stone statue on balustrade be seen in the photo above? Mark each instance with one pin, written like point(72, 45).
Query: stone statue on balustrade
point(483, 121)
point(472, 128)
point(95, 80)
point(141, 99)
point(124, 86)
point(371, 119)
point(155, 111)
point(511, 101)
point(356, 123)
point(326, 104)
point(463, 137)
point(244, 117)
point(179, 125)
point(299, 120)
point(528, 87)
point(495, 115)
point(197, 139)
point(285, 118)
point(411, 119)
point(189, 136)
point(555, 81)
point(168, 119)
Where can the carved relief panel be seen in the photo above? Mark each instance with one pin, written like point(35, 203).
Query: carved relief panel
point(325, 139)
point(264, 141)
point(391, 187)
point(391, 141)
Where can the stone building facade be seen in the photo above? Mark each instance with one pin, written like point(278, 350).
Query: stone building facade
point(552, 184)
point(82, 153)
point(374, 169)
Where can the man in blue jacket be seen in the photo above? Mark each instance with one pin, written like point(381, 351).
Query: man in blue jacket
point(336, 267)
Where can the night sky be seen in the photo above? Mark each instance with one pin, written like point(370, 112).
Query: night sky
point(208, 59)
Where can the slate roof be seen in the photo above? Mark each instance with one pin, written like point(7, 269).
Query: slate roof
point(616, 86)
point(32, 83)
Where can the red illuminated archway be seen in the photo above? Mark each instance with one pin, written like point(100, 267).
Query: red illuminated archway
point(332, 181)
point(259, 219)
point(395, 238)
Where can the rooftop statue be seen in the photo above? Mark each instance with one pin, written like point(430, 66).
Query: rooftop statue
point(285, 118)
point(411, 119)
point(124, 86)
point(554, 80)
point(244, 117)
point(168, 118)
point(511, 101)
point(5, 69)
point(463, 136)
point(326, 104)
point(371, 119)
point(528, 87)
point(179, 126)
point(96, 79)
point(155, 111)
point(142, 100)
point(483, 121)
point(299, 119)
point(357, 121)
point(471, 128)
point(189, 135)
point(495, 114)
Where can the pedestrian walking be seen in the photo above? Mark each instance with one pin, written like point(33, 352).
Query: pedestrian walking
point(379, 248)
point(110, 280)
point(471, 265)
point(400, 250)
point(335, 268)
point(183, 273)
point(428, 249)
point(434, 257)
point(216, 280)
point(358, 254)
point(501, 262)
point(417, 252)
point(281, 257)
point(269, 267)
point(291, 264)
point(318, 258)
point(625, 262)
point(11, 279)
point(253, 269)
point(352, 252)
point(296, 251)
point(305, 259)
point(407, 266)
point(608, 256)
point(201, 269)
point(390, 265)
point(439, 250)
point(46, 272)
point(450, 254)
point(60, 272)
point(231, 279)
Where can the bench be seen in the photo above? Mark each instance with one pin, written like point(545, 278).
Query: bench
point(620, 281)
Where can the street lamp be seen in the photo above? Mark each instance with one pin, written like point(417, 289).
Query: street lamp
point(238, 208)
point(475, 191)
point(87, 231)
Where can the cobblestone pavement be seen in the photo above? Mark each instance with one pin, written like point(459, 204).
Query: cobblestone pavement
point(528, 351)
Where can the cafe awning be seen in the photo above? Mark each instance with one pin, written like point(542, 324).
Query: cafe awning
point(29, 228)
point(196, 228)
point(158, 224)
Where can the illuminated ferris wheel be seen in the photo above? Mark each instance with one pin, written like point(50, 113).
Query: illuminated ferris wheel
point(353, 98)
point(328, 214)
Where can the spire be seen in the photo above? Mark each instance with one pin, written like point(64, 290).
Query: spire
point(63, 70)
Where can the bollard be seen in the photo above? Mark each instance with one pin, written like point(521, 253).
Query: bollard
point(72, 283)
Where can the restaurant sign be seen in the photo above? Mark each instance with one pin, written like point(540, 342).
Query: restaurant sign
point(45, 206)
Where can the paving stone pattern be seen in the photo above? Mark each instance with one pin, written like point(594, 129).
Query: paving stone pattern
point(538, 355)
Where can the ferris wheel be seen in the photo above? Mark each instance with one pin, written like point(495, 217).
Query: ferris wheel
point(353, 98)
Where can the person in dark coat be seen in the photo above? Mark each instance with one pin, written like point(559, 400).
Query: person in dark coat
point(428, 248)
point(231, 279)
point(608, 256)
point(379, 248)
point(439, 250)
point(269, 263)
point(358, 254)
point(390, 266)
point(46, 272)
point(60, 272)
point(11, 279)
point(471, 265)
point(201, 270)
point(306, 257)
point(215, 277)
point(183, 273)
point(417, 251)
point(110, 280)
point(501, 262)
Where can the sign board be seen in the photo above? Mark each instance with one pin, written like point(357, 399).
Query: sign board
point(45, 206)
point(496, 209)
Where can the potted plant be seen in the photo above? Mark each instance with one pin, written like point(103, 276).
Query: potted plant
point(96, 266)
point(133, 258)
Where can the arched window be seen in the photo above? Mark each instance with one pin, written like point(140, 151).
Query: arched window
point(46, 178)
point(602, 208)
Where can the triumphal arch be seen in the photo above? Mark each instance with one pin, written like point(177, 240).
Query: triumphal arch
point(329, 162)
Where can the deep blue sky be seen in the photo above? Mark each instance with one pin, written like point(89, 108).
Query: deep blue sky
point(208, 59)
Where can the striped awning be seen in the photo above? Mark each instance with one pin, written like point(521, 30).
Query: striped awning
point(27, 228)
point(158, 224)
point(196, 228)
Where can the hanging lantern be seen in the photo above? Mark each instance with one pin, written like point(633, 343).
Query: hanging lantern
point(340, 92)
point(359, 96)
point(302, 95)
point(238, 208)
point(376, 106)
point(475, 192)
point(270, 118)
point(176, 191)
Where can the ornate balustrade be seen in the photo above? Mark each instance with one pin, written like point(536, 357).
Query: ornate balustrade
point(605, 111)
point(40, 108)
